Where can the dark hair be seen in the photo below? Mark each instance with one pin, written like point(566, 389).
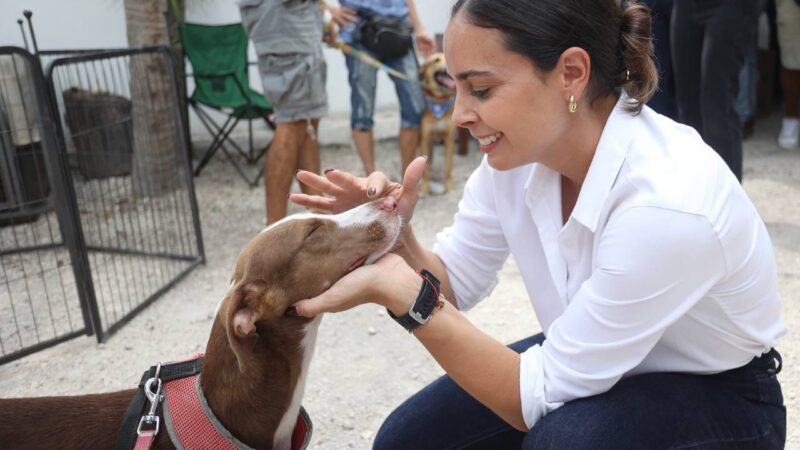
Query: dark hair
point(616, 37)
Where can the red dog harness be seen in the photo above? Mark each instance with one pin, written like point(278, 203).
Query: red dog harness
point(189, 421)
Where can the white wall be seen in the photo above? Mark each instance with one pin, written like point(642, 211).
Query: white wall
point(67, 24)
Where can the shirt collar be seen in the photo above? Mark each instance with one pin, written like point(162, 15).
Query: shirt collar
point(606, 164)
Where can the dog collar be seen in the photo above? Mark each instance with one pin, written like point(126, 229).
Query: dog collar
point(439, 109)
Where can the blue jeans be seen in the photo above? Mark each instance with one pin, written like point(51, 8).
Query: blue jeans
point(363, 78)
point(741, 408)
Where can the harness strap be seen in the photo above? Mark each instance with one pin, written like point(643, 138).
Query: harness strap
point(126, 436)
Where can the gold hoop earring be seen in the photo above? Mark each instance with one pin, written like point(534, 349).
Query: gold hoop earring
point(573, 105)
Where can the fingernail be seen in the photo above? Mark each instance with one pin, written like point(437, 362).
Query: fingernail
point(329, 169)
point(292, 312)
point(297, 171)
point(371, 191)
point(425, 157)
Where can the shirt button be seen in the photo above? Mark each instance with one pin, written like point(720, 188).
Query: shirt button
point(568, 244)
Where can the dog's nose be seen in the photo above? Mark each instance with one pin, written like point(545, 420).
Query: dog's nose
point(388, 204)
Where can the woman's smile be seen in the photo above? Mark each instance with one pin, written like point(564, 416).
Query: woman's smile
point(489, 143)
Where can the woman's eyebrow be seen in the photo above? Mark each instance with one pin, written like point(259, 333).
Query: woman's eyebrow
point(472, 73)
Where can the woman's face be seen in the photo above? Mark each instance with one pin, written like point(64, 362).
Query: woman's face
point(516, 112)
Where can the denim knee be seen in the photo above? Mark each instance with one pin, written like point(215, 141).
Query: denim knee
point(362, 78)
point(390, 435)
point(409, 94)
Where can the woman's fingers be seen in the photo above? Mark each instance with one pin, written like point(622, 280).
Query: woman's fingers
point(348, 191)
point(318, 182)
point(413, 174)
point(379, 185)
point(314, 202)
point(345, 181)
point(313, 306)
point(350, 291)
point(349, 14)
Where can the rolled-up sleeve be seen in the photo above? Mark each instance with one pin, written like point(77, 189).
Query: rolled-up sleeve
point(651, 266)
point(474, 248)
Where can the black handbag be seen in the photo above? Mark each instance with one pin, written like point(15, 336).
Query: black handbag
point(386, 37)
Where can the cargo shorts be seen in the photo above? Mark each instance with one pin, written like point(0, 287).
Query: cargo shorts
point(287, 35)
point(295, 85)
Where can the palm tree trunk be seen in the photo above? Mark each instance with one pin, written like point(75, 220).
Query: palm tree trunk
point(156, 142)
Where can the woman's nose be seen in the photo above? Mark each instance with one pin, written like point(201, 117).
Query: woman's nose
point(463, 116)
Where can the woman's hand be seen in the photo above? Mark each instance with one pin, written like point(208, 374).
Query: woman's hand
point(389, 282)
point(426, 44)
point(344, 191)
point(342, 16)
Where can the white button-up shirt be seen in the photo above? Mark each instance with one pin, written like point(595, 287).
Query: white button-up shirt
point(664, 264)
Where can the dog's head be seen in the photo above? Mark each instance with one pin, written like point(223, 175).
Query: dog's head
point(434, 77)
point(299, 258)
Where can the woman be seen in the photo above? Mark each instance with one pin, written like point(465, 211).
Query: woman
point(648, 268)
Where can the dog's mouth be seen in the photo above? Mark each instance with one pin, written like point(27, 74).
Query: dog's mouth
point(445, 80)
point(358, 263)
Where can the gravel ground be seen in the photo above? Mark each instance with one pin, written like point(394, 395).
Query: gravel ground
point(364, 364)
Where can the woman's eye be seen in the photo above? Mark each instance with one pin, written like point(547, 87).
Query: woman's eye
point(481, 94)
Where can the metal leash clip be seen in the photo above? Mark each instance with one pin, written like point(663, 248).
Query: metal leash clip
point(149, 423)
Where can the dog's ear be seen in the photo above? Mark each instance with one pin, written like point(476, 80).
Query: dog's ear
point(241, 309)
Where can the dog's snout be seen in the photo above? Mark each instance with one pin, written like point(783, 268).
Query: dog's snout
point(388, 204)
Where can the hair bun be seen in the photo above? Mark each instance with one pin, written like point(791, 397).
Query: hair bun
point(638, 74)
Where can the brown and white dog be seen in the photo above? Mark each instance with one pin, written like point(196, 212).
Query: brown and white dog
point(257, 356)
point(437, 121)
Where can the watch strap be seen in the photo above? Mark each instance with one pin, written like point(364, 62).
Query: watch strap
point(423, 306)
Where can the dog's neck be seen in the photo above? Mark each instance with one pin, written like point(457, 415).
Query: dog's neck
point(259, 405)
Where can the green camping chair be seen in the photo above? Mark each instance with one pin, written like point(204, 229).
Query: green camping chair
point(218, 55)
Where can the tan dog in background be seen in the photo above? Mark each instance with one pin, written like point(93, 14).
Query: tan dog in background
point(437, 121)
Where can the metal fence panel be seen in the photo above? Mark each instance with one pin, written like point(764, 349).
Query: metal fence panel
point(40, 297)
point(119, 127)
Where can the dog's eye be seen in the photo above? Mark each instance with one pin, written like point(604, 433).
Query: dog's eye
point(313, 228)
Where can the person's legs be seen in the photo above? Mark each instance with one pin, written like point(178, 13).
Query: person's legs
point(790, 83)
point(788, 21)
point(745, 103)
point(686, 36)
point(281, 164)
point(363, 80)
point(742, 408)
point(295, 86)
point(408, 141)
point(365, 145)
point(412, 105)
point(730, 31)
point(309, 157)
point(443, 416)
point(789, 137)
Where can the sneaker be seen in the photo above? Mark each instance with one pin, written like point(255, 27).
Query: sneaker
point(436, 187)
point(789, 138)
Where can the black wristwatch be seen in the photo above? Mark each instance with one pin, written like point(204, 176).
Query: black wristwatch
point(423, 306)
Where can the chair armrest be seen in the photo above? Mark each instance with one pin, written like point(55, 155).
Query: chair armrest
point(216, 75)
